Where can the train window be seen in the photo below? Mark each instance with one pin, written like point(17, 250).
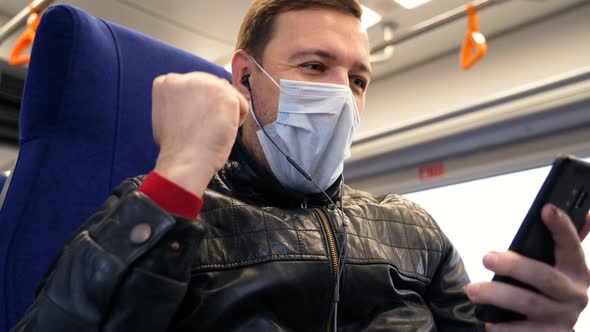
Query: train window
point(483, 215)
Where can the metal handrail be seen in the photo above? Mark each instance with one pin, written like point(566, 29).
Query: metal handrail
point(433, 23)
point(19, 19)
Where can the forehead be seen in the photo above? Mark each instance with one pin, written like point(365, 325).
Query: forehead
point(330, 30)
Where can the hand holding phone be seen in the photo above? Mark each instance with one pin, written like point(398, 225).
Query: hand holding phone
point(567, 187)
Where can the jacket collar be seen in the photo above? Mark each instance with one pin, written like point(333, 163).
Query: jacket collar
point(252, 183)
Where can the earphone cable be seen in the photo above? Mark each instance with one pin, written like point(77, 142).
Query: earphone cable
point(343, 244)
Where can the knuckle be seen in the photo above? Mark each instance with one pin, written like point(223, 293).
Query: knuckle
point(163, 81)
point(159, 80)
point(583, 299)
point(486, 291)
point(508, 264)
point(208, 87)
point(578, 251)
point(172, 80)
point(221, 93)
point(219, 88)
point(532, 302)
point(549, 280)
point(234, 101)
point(196, 82)
point(570, 319)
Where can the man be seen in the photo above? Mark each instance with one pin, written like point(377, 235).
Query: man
point(265, 253)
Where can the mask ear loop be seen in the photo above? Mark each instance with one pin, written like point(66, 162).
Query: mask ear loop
point(254, 114)
point(289, 159)
point(264, 71)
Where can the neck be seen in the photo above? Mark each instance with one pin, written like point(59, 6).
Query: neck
point(253, 183)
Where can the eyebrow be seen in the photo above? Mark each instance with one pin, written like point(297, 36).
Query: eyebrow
point(327, 55)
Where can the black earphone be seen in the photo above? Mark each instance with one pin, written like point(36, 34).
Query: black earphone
point(246, 81)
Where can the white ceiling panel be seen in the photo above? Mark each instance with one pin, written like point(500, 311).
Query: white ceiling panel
point(160, 25)
point(219, 19)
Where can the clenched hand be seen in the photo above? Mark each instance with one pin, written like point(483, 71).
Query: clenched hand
point(564, 287)
point(195, 120)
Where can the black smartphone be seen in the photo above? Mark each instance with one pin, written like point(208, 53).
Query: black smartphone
point(567, 186)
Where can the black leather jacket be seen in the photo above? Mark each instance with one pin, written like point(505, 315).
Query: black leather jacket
point(259, 258)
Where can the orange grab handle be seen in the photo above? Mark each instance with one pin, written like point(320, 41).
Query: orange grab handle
point(25, 40)
point(474, 44)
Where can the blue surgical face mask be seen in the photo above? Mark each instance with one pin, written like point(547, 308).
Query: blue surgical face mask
point(314, 127)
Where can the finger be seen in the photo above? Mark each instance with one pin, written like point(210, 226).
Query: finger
point(156, 98)
point(156, 84)
point(569, 254)
point(525, 326)
point(244, 106)
point(158, 80)
point(547, 279)
point(528, 303)
point(585, 229)
point(172, 79)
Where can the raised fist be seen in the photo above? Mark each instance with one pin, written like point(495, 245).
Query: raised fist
point(195, 120)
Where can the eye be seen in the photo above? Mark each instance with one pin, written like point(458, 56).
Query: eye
point(359, 82)
point(313, 66)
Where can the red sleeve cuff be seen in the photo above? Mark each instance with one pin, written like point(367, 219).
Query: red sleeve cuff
point(171, 197)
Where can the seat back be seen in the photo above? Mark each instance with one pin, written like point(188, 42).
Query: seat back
point(85, 126)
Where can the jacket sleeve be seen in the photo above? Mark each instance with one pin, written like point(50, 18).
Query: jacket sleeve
point(126, 269)
point(448, 302)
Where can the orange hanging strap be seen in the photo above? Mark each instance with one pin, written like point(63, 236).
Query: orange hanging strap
point(25, 40)
point(474, 45)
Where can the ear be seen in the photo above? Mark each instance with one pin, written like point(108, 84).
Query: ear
point(241, 65)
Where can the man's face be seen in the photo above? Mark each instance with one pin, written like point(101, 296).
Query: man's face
point(314, 45)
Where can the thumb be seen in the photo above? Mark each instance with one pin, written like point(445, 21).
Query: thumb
point(244, 107)
point(585, 228)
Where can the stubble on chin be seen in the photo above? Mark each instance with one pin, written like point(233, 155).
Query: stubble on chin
point(252, 144)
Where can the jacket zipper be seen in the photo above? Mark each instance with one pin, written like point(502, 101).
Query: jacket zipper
point(333, 253)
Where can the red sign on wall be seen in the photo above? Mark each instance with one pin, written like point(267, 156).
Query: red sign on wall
point(431, 171)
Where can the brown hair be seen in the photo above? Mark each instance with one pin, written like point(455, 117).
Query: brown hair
point(257, 27)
